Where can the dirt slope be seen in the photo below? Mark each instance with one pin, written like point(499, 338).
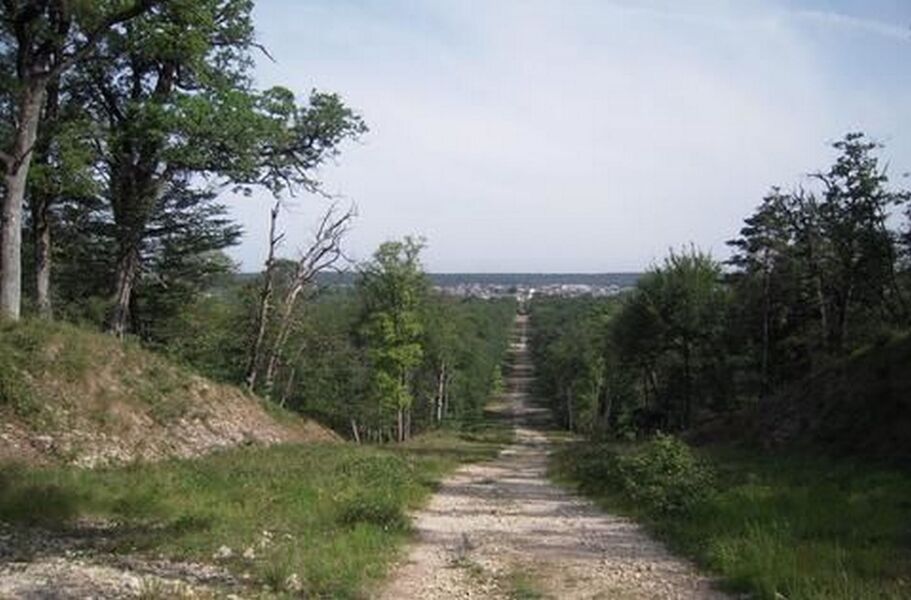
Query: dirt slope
point(72, 396)
point(502, 530)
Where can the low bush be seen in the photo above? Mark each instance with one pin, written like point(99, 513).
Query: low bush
point(664, 475)
point(373, 507)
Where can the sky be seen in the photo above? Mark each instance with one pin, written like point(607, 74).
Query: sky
point(578, 135)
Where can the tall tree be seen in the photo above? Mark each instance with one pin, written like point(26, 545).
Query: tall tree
point(61, 172)
point(393, 287)
point(680, 306)
point(860, 265)
point(178, 104)
point(43, 39)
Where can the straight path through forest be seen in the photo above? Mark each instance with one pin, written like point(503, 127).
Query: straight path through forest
point(501, 529)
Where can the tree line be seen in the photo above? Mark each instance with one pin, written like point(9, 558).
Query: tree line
point(378, 361)
point(124, 122)
point(816, 273)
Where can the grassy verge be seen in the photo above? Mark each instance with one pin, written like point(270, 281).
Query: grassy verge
point(328, 516)
point(775, 526)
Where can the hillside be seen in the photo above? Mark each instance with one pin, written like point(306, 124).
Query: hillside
point(72, 396)
point(860, 406)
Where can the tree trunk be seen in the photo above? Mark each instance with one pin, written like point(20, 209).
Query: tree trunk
point(265, 300)
point(357, 436)
point(445, 399)
point(16, 178)
point(137, 190)
point(41, 227)
point(844, 318)
point(441, 390)
point(607, 399)
point(687, 387)
point(284, 328)
point(40, 202)
point(125, 278)
point(766, 317)
point(289, 385)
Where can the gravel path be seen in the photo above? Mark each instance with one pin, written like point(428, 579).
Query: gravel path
point(78, 563)
point(502, 530)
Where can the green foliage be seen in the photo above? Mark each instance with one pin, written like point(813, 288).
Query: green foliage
point(36, 503)
point(773, 526)
point(15, 391)
point(664, 476)
point(372, 496)
point(137, 143)
point(648, 361)
point(568, 344)
point(393, 288)
point(818, 270)
point(816, 275)
point(327, 371)
point(370, 508)
point(334, 513)
point(47, 368)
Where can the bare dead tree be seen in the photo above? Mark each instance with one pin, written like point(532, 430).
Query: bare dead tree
point(265, 301)
point(323, 253)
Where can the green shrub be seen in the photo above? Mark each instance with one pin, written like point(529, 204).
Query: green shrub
point(373, 507)
point(373, 492)
point(662, 476)
point(15, 391)
point(666, 476)
point(23, 500)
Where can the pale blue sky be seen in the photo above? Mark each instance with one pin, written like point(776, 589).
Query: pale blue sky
point(584, 135)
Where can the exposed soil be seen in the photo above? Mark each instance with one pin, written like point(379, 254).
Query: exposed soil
point(502, 530)
point(73, 396)
point(216, 417)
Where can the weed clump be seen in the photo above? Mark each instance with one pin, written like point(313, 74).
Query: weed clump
point(373, 494)
point(666, 476)
point(663, 476)
point(374, 508)
point(15, 391)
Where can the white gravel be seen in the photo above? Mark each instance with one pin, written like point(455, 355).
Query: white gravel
point(502, 530)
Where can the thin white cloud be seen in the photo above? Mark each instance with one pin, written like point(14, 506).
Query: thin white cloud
point(848, 22)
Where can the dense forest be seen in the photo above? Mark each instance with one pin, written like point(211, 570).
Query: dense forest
point(816, 275)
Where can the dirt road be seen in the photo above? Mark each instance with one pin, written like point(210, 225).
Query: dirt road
point(502, 530)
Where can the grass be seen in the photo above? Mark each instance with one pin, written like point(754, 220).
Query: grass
point(775, 526)
point(522, 585)
point(47, 366)
point(332, 516)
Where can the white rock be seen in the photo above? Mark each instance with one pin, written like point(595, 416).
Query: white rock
point(293, 583)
